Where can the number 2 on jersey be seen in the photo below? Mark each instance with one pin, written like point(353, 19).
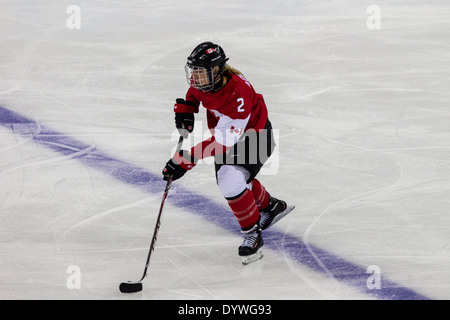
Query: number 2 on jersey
point(240, 107)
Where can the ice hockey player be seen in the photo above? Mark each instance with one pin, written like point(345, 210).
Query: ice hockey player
point(241, 141)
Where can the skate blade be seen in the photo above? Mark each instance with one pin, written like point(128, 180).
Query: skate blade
point(252, 258)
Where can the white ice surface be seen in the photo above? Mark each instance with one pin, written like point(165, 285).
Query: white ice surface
point(364, 151)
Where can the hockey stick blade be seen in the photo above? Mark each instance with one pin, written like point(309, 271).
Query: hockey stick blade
point(130, 287)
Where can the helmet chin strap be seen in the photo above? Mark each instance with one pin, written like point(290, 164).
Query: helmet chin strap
point(220, 82)
point(217, 79)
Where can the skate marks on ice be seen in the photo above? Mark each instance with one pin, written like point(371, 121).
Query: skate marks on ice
point(291, 247)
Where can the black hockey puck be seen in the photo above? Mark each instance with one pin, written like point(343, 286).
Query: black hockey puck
point(130, 287)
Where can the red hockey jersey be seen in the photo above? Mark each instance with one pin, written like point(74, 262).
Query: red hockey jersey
point(231, 111)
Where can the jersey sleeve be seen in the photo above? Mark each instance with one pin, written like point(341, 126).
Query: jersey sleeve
point(191, 98)
point(208, 148)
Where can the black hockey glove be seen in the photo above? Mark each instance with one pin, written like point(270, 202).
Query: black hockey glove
point(174, 169)
point(179, 165)
point(184, 116)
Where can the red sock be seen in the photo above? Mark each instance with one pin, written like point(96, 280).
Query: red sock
point(245, 210)
point(260, 194)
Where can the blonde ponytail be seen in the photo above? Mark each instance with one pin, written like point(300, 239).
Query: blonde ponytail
point(229, 69)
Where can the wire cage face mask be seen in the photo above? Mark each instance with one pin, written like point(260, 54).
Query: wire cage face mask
point(199, 77)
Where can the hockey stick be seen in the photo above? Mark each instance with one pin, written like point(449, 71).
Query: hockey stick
point(129, 287)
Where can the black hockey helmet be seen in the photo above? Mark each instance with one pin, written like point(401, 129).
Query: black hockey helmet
point(204, 59)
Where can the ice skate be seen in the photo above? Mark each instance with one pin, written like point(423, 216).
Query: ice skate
point(250, 250)
point(276, 210)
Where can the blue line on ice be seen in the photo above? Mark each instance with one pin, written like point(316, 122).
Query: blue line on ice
point(290, 246)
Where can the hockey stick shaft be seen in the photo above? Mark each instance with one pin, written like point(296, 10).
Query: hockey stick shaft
point(158, 220)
